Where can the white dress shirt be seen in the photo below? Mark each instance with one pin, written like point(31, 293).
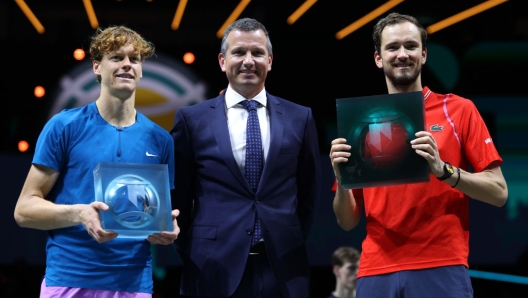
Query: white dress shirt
point(237, 123)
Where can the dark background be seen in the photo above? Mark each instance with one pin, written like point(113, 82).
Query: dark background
point(483, 58)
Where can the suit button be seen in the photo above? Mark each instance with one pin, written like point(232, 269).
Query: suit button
point(248, 231)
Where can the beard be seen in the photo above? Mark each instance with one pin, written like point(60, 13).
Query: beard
point(402, 79)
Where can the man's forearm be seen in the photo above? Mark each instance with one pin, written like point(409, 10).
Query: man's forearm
point(347, 208)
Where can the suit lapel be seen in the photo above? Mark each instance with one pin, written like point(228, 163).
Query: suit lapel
point(221, 133)
point(276, 134)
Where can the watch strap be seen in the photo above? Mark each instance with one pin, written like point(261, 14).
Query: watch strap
point(448, 171)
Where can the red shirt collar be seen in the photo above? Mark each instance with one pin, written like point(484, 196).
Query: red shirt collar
point(426, 92)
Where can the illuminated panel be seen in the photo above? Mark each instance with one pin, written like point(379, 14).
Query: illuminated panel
point(463, 15)
point(31, 17)
point(91, 13)
point(367, 18)
point(498, 276)
point(234, 15)
point(300, 11)
point(178, 15)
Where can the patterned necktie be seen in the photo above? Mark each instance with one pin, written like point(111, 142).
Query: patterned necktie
point(253, 157)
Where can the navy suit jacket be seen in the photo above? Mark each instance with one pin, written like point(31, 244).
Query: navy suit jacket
point(217, 206)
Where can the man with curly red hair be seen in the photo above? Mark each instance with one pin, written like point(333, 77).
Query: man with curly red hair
point(84, 260)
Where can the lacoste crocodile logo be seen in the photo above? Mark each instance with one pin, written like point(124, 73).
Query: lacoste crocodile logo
point(436, 127)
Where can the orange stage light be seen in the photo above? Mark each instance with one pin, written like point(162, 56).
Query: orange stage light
point(463, 15)
point(300, 11)
point(31, 16)
point(23, 146)
point(39, 91)
point(188, 58)
point(178, 15)
point(91, 13)
point(234, 15)
point(367, 18)
point(79, 54)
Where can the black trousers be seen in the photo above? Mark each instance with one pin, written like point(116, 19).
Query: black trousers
point(258, 280)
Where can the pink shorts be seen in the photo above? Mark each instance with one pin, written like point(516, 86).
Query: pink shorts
point(66, 292)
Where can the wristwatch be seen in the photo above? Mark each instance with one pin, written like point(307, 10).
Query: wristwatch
point(448, 171)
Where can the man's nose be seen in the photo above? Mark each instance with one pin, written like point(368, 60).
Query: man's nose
point(402, 52)
point(126, 62)
point(248, 59)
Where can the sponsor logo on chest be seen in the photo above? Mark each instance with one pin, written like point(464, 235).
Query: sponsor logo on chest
point(436, 128)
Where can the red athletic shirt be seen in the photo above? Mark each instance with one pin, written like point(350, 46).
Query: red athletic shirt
point(425, 225)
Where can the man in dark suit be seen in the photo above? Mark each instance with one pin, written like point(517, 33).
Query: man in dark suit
point(246, 203)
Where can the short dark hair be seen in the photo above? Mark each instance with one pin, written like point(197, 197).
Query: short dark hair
point(392, 19)
point(114, 37)
point(246, 25)
point(345, 254)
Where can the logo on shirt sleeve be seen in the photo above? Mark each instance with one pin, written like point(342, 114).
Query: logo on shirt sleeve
point(488, 140)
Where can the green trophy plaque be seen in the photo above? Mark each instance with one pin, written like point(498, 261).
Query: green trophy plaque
point(379, 129)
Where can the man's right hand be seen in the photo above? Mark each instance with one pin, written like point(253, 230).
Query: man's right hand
point(338, 154)
point(90, 219)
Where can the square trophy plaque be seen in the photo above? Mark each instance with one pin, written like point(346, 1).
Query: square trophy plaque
point(138, 197)
point(379, 129)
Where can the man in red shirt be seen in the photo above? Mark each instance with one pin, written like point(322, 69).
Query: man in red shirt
point(417, 241)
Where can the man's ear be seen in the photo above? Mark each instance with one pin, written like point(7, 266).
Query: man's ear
point(221, 61)
point(335, 270)
point(378, 60)
point(96, 67)
point(424, 55)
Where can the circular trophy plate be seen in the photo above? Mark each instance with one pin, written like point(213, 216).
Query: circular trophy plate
point(382, 136)
point(132, 200)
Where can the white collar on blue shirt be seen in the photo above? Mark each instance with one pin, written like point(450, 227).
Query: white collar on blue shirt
point(232, 97)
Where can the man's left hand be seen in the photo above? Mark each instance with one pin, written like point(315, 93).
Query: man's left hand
point(165, 237)
point(425, 146)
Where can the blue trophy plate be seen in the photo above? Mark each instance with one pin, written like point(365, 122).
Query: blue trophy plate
point(138, 197)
